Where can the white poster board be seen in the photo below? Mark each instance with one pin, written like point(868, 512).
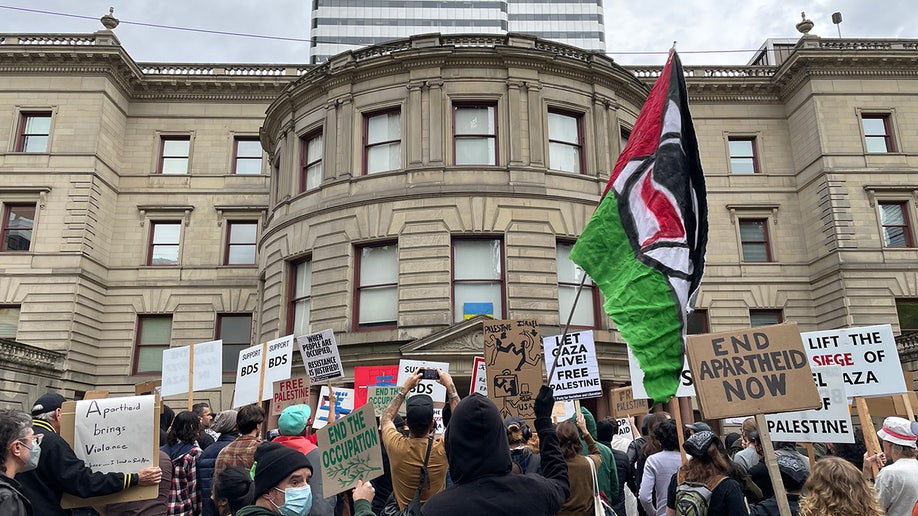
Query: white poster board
point(867, 355)
point(344, 404)
point(208, 368)
point(249, 375)
point(831, 423)
point(320, 356)
point(479, 377)
point(624, 429)
point(430, 387)
point(115, 434)
point(686, 386)
point(576, 375)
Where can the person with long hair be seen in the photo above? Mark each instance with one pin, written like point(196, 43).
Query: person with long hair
point(659, 468)
point(708, 467)
point(233, 489)
point(836, 487)
point(185, 497)
point(580, 501)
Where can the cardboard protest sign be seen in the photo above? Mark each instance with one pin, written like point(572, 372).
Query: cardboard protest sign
point(868, 357)
point(380, 395)
point(208, 368)
point(320, 356)
point(364, 376)
point(562, 411)
point(756, 370)
point(350, 451)
point(686, 387)
point(828, 423)
point(287, 393)
point(624, 404)
point(344, 405)
point(256, 373)
point(576, 375)
point(886, 406)
point(113, 435)
point(479, 382)
point(430, 387)
point(514, 362)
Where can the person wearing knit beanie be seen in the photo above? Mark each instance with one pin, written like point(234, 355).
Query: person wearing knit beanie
point(280, 474)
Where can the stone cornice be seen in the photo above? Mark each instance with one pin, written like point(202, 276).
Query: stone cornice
point(17, 355)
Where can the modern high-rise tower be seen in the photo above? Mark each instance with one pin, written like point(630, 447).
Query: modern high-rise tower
point(340, 25)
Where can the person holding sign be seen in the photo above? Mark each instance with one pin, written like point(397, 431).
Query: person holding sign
point(897, 483)
point(60, 471)
point(21, 451)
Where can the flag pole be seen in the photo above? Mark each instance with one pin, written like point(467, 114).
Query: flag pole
point(567, 325)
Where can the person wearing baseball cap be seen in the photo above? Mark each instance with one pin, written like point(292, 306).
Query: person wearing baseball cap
point(897, 483)
point(60, 471)
point(292, 425)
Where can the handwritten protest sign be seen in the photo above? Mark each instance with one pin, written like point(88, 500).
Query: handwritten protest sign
point(562, 411)
point(380, 395)
point(430, 387)
point(757, 370)
point(364, 376)
point(686, 387)
point(514, 362)
point(868, 357)
point(479, 382)
point(576, 376)
point(320, 356)
point(624, 404)
point(350, 451)
point(287, 393)
point(208, 368)
point(829, 423)
point(624, 428)
point(257, 374)
point(344, 405)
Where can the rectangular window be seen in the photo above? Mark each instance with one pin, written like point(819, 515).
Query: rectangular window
point(377, 286)
point(754, 239)
point(877, 133)
point(907, 310)
point(236, 332)
point(569, 277)
point(760, 317)
point(16, 231)
point(383, 137)
point(300, 297)
point(475, 133)
point(624, 135)
point(565, 142)
point(165, 239)
point(478, 279)
point(34, 131)
point(697, 322)
point(897, 231)
point(240, 242)
point(9, 321)
point(246, 156)
point(311, 147)
point(154, 333)
point(173, 155)
point(743, 159)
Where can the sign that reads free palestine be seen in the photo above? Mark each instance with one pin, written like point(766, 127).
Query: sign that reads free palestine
point(576, 376)
point(828, 423)
point(249, 378)
point(350, 451)
point(208, 368)
point(686, 387)
point(289, 392)
point(320, 356)
point(868, 357)
point(116, 434)
point(624, 404)
point(757, 370)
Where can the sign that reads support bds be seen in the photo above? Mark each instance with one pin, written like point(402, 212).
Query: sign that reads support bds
point(429, 387)
point(758, 370)
point(828, 423)
point(249, 376)
point(320, 356)
point(576, 376)
point(867, 355)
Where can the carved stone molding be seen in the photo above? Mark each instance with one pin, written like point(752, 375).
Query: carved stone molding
point(16, 355)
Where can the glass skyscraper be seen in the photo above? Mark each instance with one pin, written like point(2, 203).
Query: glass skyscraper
point(340, 25)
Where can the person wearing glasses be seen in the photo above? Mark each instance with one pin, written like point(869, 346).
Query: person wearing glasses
point(21, 450)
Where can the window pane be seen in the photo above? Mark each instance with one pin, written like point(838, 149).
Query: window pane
point(755, 252)
point(314, 176)
point(697, 322)
point(477, 292)
point(9, 321)
point(314, 149)
point(381, 128)
point(175, 165)
point(384, 157)
point(583, 313)
point(378, 305)
point(150, 359)
point(166, 233)
point(563, 128)
point(477, 259)
point(243, 233)
point(241, 255)
point(303, 281)
point(752, 230)
point(248, 149)
point(37, 124)
point(301, 317)
point(378, 265)
point(475, 151)
point(236, 329)
point(248, 167)
point(742, 165)
point(231, 355)
point(764, 318)
point(876, 144)
point(740, 148)
point(155, 330)
point(34, 143)
point(874, 126)
point(907, 310)
point(165, 255)
point(568, 271)
point(892, 214)
point(474, 120)
point(564, 157)
point(176, 148)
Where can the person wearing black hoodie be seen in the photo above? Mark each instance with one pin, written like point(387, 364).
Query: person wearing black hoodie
point(479, 463)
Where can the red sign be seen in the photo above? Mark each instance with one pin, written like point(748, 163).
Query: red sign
point(372, 375)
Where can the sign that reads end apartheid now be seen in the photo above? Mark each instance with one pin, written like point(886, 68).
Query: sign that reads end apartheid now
point(320, 356)
point(828, 423)
point(350, 451)
point(758, 370)
point(867, 355)
point(576, 375)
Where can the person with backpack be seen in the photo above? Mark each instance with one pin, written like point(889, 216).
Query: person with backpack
point(185, 497)
point(702, 485)
point(793, 475)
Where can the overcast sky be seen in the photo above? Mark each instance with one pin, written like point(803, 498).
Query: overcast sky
point(724, 26)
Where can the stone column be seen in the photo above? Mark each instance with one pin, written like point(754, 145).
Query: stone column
point(435, 127)
point(516, 121)
point(413, 140)
point(345, 149)
point(537, 135)
point(330, 142)
point(601, 135)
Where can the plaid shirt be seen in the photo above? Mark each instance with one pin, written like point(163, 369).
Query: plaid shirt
point(239, 453)
point(185, 493)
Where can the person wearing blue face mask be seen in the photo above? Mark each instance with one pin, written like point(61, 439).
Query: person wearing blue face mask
point(21, 451)
point(281, 482)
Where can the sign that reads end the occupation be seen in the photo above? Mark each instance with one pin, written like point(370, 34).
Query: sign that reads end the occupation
point(350, 451)
point(758, 370)
point(576, 375)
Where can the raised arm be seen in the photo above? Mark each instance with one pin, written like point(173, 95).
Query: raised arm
point(451, 395)
point(385, 419)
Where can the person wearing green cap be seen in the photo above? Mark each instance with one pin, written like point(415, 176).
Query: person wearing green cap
point(292, 424)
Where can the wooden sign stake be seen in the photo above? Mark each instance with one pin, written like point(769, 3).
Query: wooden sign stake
point(771, 462)
point(677, 415)
point(190, 376)
point(871, 441)
point(811, 452)
point(261, 380)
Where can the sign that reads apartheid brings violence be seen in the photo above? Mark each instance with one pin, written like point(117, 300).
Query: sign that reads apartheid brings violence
point(867, 355)
point(320, 356)
point(350, 451)
point(828, 423)
point(576, 375)
point(758, 370)
point(513, 357)
point(115, 434)
point(624, 404)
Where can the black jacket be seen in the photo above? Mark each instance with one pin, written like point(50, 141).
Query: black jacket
point(59, 470)
point(479, 464)
point(625, 478)
point(12, 501)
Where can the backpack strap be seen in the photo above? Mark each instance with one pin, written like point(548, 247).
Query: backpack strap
point(716, 482)
point(424, 476)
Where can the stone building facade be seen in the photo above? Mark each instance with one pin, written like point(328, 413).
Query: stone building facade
point(389, 191)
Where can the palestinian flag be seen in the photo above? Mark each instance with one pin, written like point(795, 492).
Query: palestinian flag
point(645, 245)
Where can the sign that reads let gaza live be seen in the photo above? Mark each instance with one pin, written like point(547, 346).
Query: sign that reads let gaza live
point(576, 375)
point(757, 370)
point(867, 355)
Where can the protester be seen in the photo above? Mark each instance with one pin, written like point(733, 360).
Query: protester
point(21, 452)
point(694, 428)
point(406, 454)
point(206, 436)
point(643, 446)
point(241, 452)
point(706, 472)
point(759, 473)
point(292, 427)
point(748, 456)
point(225, 425)
point(480, 465)
point(851, 452)
point(382, 485)
point(607, 476)
point(836, 488)
point(185, 498)
point(606, 431)
point(733, 443)
point(363, 498)
point(158, 506)
point(793, 475)
point(897, 483)
point(281, 482)
point(580, 501)
point(165, 421)
point(233, 489)
point(60, 471)
point(524, 458)
point(659, 468)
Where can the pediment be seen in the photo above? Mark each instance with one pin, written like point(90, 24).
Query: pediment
point(461, 338)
